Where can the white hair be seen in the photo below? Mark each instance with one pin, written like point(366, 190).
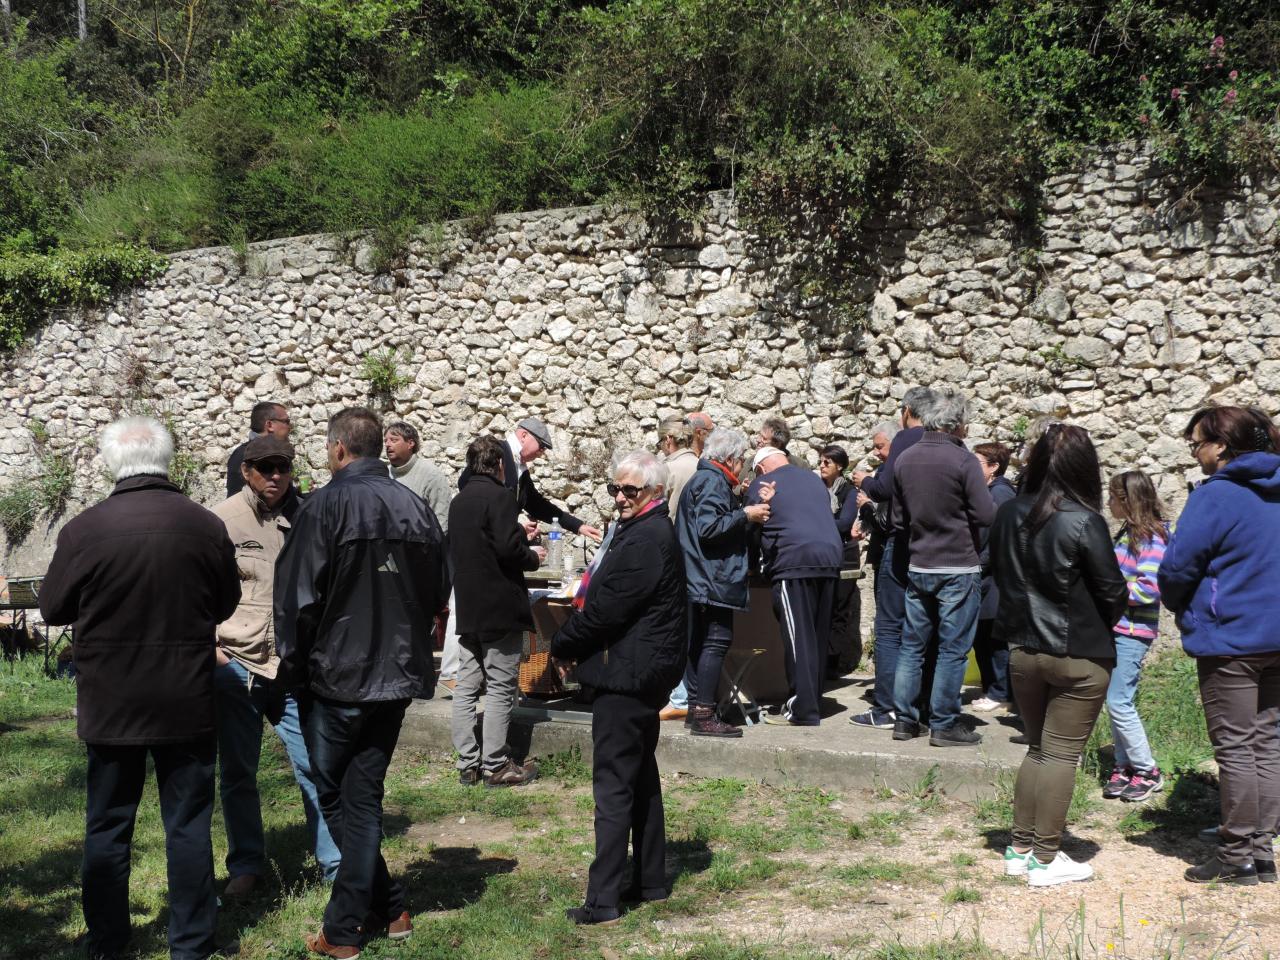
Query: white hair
point(947, 412)
point(653, 472)
point(888, 428)
point(724, 444)
point(136, 445)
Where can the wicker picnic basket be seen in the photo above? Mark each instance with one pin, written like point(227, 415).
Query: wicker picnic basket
point(538, 677)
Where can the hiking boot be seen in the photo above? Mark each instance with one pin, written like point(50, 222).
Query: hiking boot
point(957, 735)
point(590, 915)
point(1143, 784)
point(1214, 870)
point(1266, 870)
point(1116, 783)
point(905, 730)
point(512, 774)
point(705, 723)
point(1061, 869)
point(1015, 863)
point(469, 777)
point(316, 943)
point(873, 720)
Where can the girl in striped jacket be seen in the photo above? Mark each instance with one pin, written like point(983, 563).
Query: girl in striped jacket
point(1140, 547)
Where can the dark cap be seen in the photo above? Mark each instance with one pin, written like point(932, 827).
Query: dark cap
point(264, 448)
point(538, 429)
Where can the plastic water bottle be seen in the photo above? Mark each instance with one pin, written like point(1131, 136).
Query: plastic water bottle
point(555, 546)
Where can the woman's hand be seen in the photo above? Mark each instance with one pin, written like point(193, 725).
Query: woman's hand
point(757, 512)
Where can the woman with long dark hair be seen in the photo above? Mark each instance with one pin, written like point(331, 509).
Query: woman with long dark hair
point(1218, 576)
point(1061, 593)
point(1140, 547)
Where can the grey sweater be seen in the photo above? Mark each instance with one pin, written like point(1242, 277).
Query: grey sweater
point(941, 499)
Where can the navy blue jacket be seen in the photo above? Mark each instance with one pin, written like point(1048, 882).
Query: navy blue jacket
point(1218, 573)
point(1002, 491)
point(879, 487)
point(712, 529)
point(800, 538)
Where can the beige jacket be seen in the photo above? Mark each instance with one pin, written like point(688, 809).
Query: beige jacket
point(258, 536)
point(681, 466)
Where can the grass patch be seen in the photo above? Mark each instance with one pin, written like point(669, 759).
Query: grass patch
point(567, 766)
point(875, 870)
point(940, 950)
point(962, 894)
point(27, 694)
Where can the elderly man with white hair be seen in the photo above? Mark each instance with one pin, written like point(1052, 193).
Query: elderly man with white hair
point(628, 644)
point(146, 576)
point(941, 503)
point(802, 555)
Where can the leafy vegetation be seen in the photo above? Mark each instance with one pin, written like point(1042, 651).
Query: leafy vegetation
point(217, 121)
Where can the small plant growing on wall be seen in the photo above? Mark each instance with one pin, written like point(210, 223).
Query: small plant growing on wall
point(384, 371)
point(19, 505)
point(56, 481)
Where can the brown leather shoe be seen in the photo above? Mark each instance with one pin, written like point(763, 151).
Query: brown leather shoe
point(672, 713)
point(316, 943)
point(400, 928)
point(706, 724)
point(512, 774)
point(239, 887)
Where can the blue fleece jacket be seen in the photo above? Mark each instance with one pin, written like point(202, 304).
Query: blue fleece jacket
point(1218, 573)
point(800, 538)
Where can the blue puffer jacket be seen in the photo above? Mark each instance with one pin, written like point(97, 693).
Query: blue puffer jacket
point(712, 529)
point(1219, 570)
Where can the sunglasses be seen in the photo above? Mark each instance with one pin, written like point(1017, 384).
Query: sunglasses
point(269, 467)
point(626, 489)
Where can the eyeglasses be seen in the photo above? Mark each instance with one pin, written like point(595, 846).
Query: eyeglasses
point(1195, 445)
point(269, 467)
point(284, 420)
point(626, 489)
point(827, 462)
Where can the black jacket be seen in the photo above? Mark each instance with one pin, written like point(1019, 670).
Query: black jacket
point(358, 583)
point(146, 576)
point(941, 501)
point(1061, 590)
point(629, 636)
point(489, 554)
point(1002, 491)
point(712, 529)
point(235, 480)
point(528, 499)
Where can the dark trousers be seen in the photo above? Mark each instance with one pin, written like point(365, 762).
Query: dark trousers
point(992, 654)
point(891, 613)
point(844, 647)
point(628, 795)
point(351, 746)
point(184, 774)
point(803, 609)
point(710, 636)
point(1241, 706)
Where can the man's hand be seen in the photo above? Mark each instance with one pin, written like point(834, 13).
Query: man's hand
point(541, 554)
point(856, 532)
point(563, 667)
point(859, 476)
point(591, 532)
point(766, 491)
point(757, 512)
point(862, 500)
point(222, 658)
point(530, 529)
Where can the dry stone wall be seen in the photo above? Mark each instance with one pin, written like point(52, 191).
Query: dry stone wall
point(1131, 307)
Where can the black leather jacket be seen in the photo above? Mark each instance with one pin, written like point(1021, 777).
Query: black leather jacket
point(629, 636)
point(1061, 590)
point(358, 582)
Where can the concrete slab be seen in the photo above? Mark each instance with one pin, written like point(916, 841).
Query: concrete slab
point(835, 755)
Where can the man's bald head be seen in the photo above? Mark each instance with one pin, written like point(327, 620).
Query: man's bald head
point(702, 426)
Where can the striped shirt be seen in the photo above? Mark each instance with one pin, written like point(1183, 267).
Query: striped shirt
point(1142, 618)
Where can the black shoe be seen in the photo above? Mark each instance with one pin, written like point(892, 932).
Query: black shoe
point(1214, 870)
point(1266, 870)
point(635, 894)
point(954, 736)
point(905, 730)
point(590, 915)
point(469, 777)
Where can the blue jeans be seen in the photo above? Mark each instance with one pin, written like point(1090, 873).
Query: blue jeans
point(891, 595)
point(243, 699)
point(945, 605)
point(1132, 749)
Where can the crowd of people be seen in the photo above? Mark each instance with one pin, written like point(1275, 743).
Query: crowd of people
point(318, 611)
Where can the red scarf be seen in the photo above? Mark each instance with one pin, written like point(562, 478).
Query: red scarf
point(733, 477)
point(580, 595)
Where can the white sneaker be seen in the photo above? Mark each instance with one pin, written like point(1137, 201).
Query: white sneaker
point(986, 705)
point(1062, 869)
point(1015, 863)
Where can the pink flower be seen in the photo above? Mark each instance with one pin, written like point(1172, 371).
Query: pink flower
point(1175, 93)
point(1233, 74)
point(1231, 96)
point(1218, 42)
point(1144, 120)
point(1144, 78)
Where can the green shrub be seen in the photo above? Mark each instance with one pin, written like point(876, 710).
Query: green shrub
point(32, 284)
point(19, 507)
point(381, 369)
